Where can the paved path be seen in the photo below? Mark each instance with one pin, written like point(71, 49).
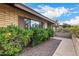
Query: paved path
point(61, 45)
point(44, 49)
point(65, 48)
point(63, 34)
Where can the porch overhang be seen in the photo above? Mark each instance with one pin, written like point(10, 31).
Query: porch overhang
point(30, 10)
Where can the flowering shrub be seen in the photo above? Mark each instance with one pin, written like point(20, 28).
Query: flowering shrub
point(12, 39)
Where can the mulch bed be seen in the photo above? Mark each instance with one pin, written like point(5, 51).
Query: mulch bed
point(46, 48)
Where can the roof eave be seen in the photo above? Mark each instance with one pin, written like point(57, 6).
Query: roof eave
point(23, 7)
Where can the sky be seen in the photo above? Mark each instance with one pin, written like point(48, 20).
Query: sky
point(63, 12)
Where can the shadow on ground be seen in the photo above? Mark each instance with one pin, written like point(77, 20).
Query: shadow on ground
point(44, 49)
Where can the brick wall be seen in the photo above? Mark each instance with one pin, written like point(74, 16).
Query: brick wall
point(9, 15)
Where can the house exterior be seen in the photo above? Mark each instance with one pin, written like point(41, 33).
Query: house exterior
point(23, 16)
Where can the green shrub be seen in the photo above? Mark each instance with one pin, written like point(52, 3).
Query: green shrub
point(40, 35)
point(12, 39)
point(73, 30)
point(50, 32)
point(24, 35)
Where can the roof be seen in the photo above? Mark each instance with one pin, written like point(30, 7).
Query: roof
point(30, 10)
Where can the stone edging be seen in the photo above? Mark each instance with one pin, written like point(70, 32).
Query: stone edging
point(76, 44)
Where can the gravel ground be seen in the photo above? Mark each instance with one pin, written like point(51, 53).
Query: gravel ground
point(44, 49)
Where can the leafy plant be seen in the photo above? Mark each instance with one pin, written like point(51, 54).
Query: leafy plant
point(13, 39)
point(73, 30)
point(50, 32)
point(40, 35)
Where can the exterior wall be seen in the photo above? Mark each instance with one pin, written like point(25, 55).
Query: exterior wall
point(52, 26)
point(45, 24)
point(9, 15)
point(76, 44)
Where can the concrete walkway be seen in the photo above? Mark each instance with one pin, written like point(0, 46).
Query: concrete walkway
point(46, 48)
point(60, 45)
point(65, 48)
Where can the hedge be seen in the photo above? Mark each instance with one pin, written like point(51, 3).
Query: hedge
point(41, 35)
point(50, 32)
point(12, 39)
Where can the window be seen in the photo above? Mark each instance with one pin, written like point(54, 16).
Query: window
point(35, 24)
point(28, 23)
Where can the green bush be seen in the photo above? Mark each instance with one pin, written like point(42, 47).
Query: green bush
point(50, 32)
point(12, 39)
point(73, 30)
point(40, 35)
point(25, 35)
